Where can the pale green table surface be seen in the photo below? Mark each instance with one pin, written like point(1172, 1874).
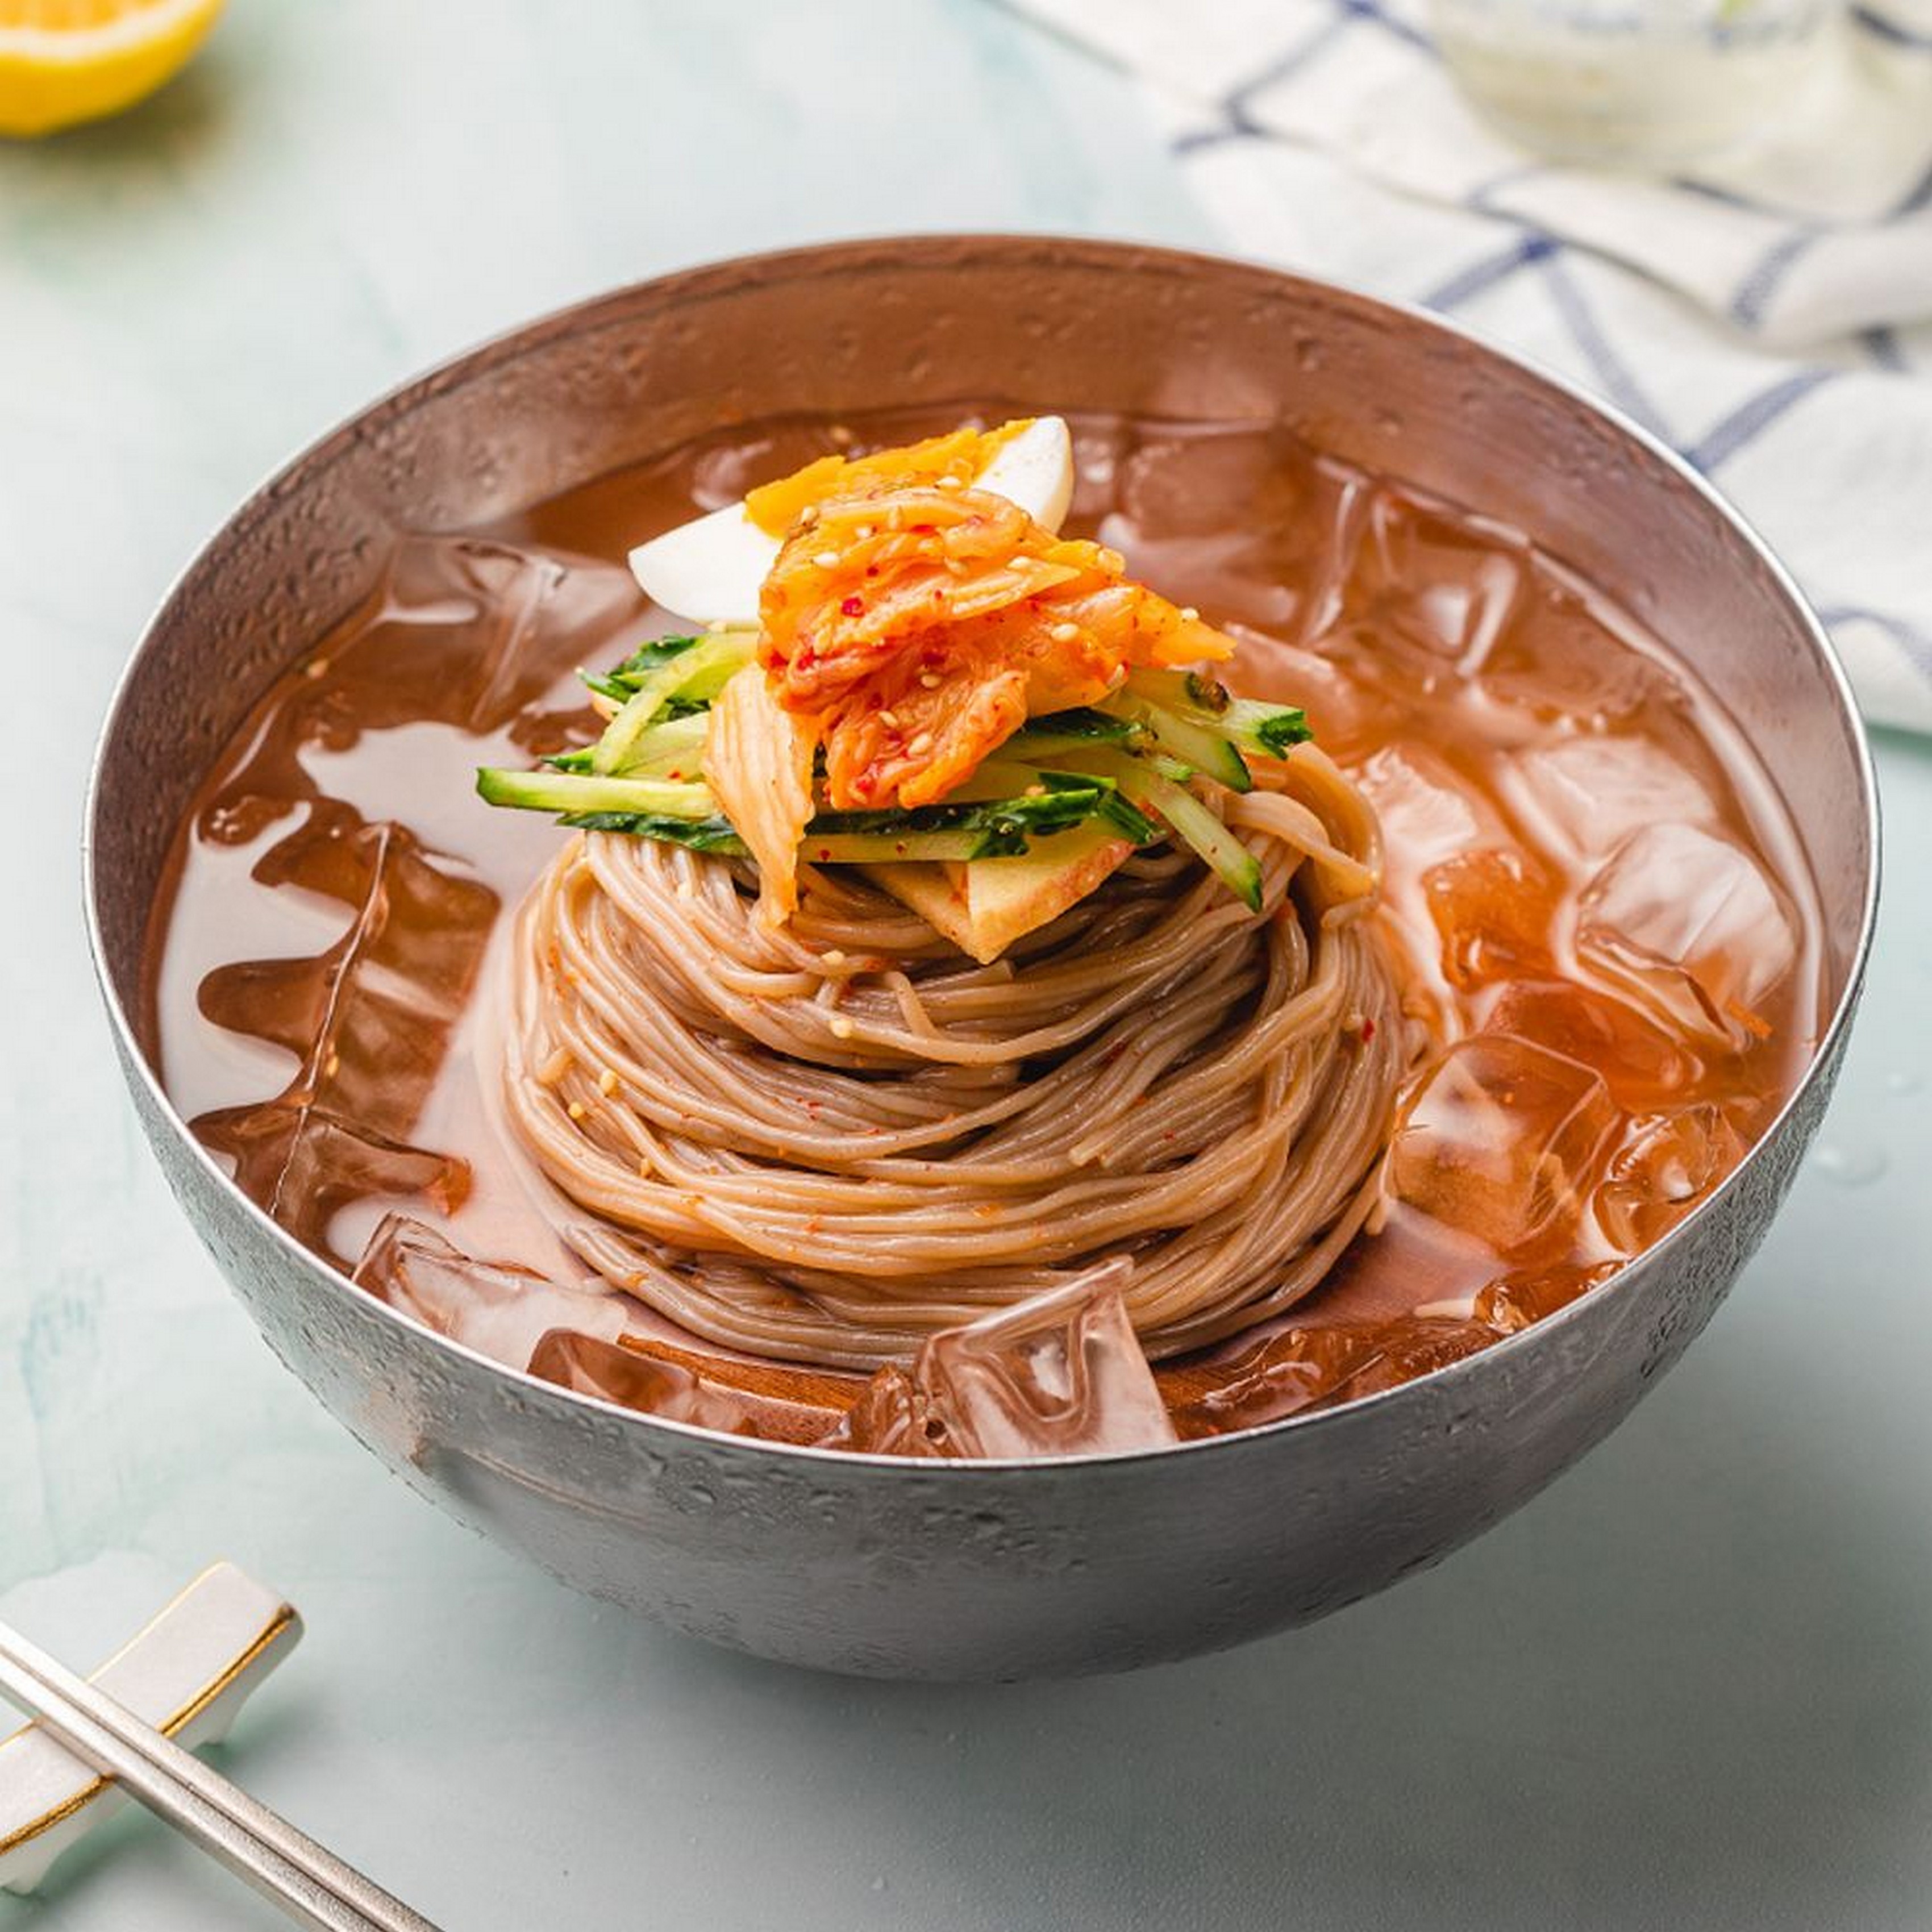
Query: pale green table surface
point(1691, 1686)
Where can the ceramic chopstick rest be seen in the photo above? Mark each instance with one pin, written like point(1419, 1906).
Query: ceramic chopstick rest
point(186, 1674)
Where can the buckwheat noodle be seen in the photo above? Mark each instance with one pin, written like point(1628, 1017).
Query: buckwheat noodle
point(822, 1143)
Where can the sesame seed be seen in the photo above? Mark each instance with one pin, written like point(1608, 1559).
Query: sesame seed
point(1036, 791)
point(576, 1110)
point(949, 482)
point(833, 957)
point(841, 436)
point(1064, 634)
point(316, 667)
point(808, 516)
point(889, 719)
point(607, 1082)
point(930, 680)
point(685, 891)
point(332, 1066)
point(842, 1029)
point(921, 745)
point(1189, 615)
point(826, 559)
point(864, 532)
point(644, 1169)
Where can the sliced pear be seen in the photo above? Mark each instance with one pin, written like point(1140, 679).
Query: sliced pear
point(984, 906)
point(711, 569)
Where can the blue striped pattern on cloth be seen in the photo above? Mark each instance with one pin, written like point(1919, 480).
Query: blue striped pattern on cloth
point(1771, 319)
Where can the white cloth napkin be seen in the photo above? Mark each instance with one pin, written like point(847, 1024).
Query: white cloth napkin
point(1771, 317)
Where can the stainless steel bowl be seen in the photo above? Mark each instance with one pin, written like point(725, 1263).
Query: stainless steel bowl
point(987, 1570)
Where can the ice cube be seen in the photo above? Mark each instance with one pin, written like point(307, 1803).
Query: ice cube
point(1431, 582)
point(1552, 663)
point(891, 1419)
point(471, 631)
point(1593, 792)
point(1513, 1301)
point(1666, 1165)
point(1346, 711)
point(1493, 910)
point(1504, 1141)
point(1061, 1373)
point(1293, 1369)
point(637, 1376)
point(1686, 923)
point(302, 1165)
point(1427, 813)
point(1435, 826)
point(1643, 1065)
point(1277, 565)
point(500, 1309)
point(369, 1021)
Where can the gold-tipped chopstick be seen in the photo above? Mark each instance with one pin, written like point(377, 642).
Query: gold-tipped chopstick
point(310, 1883)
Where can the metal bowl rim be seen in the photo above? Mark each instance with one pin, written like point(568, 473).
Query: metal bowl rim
point(837, 258)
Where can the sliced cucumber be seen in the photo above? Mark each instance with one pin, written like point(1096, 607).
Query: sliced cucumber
point(1001, 828)
point(1002, 779)
point(671, 745)
point(1271, 730)
point(699, 671)
point(1267, 730)
point(584, 791)
point(1057, 732)
point(1199, 744)
point(715, 834)
point(621, 680)
point(1191, 822)
point(991, 829)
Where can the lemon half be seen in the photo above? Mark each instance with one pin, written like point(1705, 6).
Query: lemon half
point(65, 60)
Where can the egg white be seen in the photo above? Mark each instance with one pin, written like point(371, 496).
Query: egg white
point(710, 569)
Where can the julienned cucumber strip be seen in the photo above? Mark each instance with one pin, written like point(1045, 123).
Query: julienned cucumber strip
point(647, 658)
point(697, 671)
point(1268, 730)
point(621, 680)
point(1205, 747)
point(584, 791)
point(1273, 728)
point(685, 815)
point(671, 747)
point(1057, 732)
point(714, 834)
point(1006, 780)
point(1193, 823)
point(997, 828)
point(1004, 828)
point(675, 743)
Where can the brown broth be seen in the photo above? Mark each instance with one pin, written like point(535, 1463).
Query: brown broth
point(1555, 791)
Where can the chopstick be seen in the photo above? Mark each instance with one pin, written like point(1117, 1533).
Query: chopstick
point(311, 1884)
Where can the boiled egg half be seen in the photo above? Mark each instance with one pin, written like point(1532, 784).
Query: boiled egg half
point(711, 569)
